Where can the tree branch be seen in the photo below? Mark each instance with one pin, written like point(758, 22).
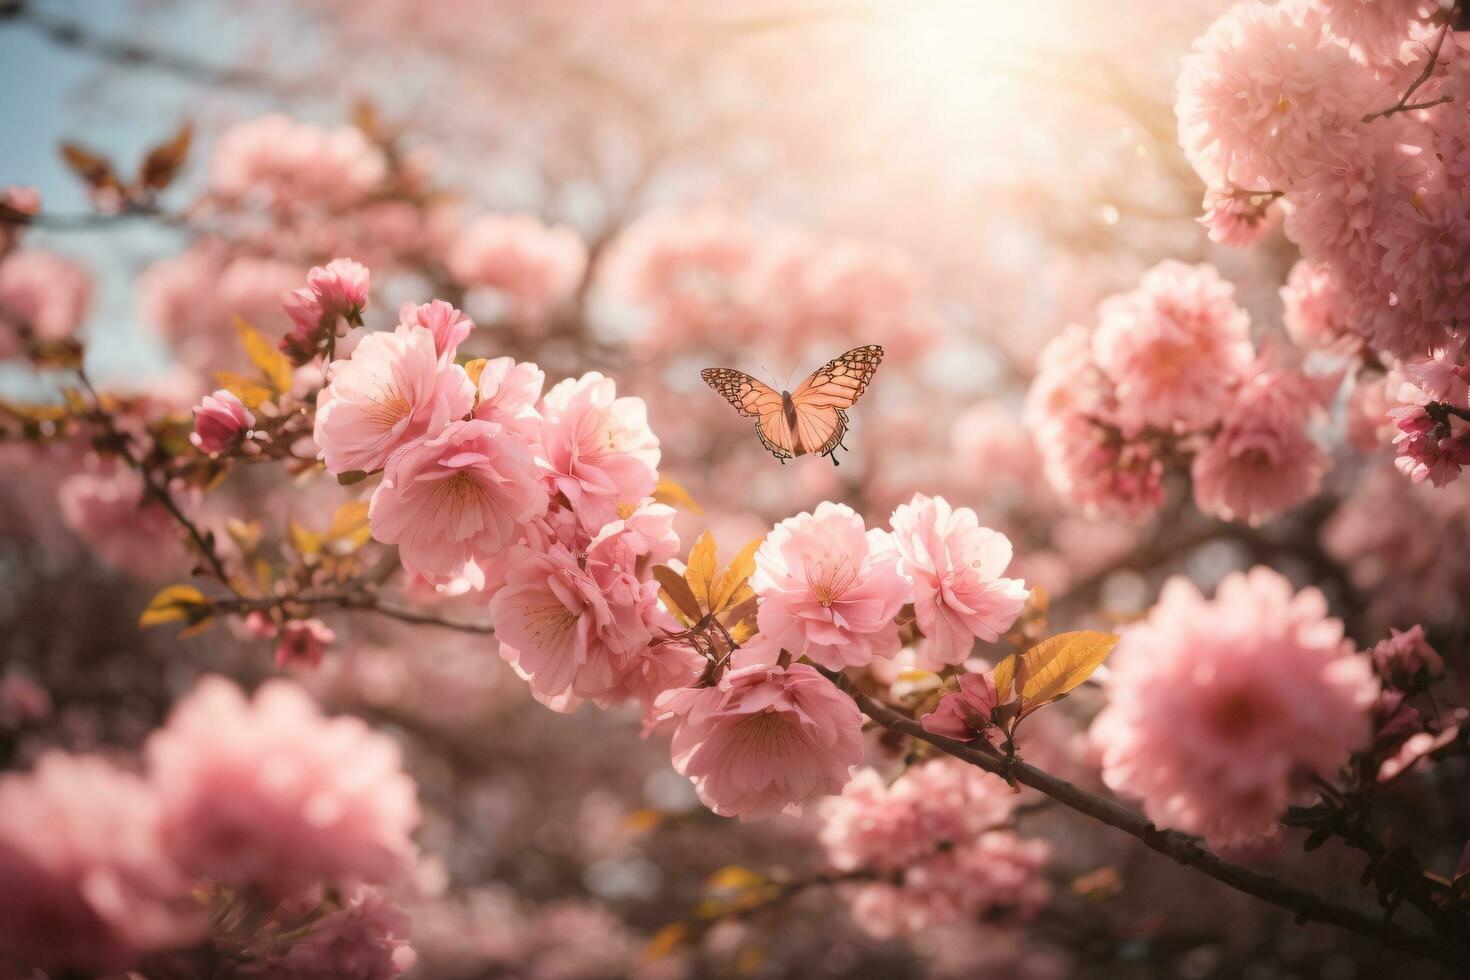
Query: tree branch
point(1403, 104)
point(1306, 906)
point(353, 600)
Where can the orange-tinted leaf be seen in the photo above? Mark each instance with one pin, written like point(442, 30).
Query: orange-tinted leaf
point(474, 369)
point(164, 161)
point(677, 595)
point(1003, 674)
point(94, 169)
point(734, 878)
point(305, 542)
point(642, 821)
point(350, 524)
point(665, 941)
point(1059, 663)
point(263, 354)
point(177, 603)
point(700, 572)
point(671, 493)
point(250, 392)
point(728, 587)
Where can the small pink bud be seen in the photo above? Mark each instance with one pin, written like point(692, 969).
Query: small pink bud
point(220, 421)
point(303, 641)
point(341, 287)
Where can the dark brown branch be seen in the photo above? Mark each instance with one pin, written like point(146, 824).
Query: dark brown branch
point(156, 489)
point(130, 54)
point(1306, 906)
point(354, 600)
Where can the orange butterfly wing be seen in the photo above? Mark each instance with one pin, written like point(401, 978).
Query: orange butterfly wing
point(755, 398)
point(818, 420)
point(821, 400)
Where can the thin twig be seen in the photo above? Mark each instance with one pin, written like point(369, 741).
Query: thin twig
point(1305, 905)
point(154, 487)
point(1403, 104)
point(352, 600)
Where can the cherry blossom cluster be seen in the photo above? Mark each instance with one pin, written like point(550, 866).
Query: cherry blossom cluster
point(712, 277)
point(937, 843)
point(1169, 376)
point(1352, 116)
point(1221, 710)
point(253, 809)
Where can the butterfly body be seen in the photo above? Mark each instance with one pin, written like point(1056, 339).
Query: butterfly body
point(809, 421)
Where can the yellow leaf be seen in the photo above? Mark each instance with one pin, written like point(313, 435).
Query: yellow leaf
point(665, 941)
point(642, 821)
point(700, 572)
point(305, 542)
point(350, 524)
point(195, 629)
point(676, 595)
point(1002, 675)
point(263, 354)
point(728, 586)
point(1059, 663)
point(250, 392)
point(734, 878)
point(174, 604)
point(474, 369)
point(740, 620)
point(671, 493)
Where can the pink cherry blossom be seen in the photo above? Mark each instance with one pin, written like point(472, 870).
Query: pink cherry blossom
point(933, 805)
point(1405, 654)
point(996, 875)
point(267, 792)
point(341, 288)
point(830, 588)
point(764, 740)
point(1375, 29)
point(459, 496)
point(303, 641)
point(1239, 218)
point(1173, 347)
point(43, 293)
point(599, 448)
point(1217, 707)
point(1317, 313)
point(366, 939)
point(955, 566)
point(220, 421)
point(1099, 470)
point(394, 389)
point(534, 267)
point(87, 884)
point(561, 630)
point(966, 713)
point(1262, 90)
point(278, 162)
point(448, 325)
point(1262, 461)
point(508, 393)
point(109, 508)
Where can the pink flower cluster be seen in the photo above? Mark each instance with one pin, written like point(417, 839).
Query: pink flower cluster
point(1302, 99)
point(534, 268)
point(938, 839)
point(279, 163)
point(43, 297)
point(252, 794)
point(1170, 371)
point(830, 588)
point(1432, 417)
point(1219, 709)
point(712, 277)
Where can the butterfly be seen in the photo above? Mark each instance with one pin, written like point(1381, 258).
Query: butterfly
point(812, 419)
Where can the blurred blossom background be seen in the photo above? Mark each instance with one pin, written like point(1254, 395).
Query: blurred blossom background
point(647, 188)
